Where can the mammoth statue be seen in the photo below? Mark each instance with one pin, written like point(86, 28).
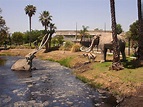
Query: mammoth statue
point(105, 42)
point(25, 64)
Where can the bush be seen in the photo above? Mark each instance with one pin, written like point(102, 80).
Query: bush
point(66, 46)
point(76, 47)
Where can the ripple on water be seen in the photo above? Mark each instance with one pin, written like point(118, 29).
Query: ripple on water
point(50, 85)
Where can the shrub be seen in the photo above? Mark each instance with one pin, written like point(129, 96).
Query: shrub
point(76, 47)
point(66, 46)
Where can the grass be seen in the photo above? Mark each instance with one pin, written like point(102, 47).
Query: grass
point(89, 82)
point(5, 54)
point(65, 62)
point(102, 66)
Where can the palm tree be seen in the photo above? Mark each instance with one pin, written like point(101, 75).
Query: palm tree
point(45, 18)
point(116, 64)
point(140, 40)
point(83, 32)
point(30, 11)
point(51, 31)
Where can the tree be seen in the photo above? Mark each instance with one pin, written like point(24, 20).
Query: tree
point(36, 35)
point(83, 33)
point(3, 29)
point(30, 11)
point(17, 38)
point(119, 29)
point(45, 18)
point(58, 40)
point(116, 64)
point(52, 31)
point(140, 40)
point(134, 29)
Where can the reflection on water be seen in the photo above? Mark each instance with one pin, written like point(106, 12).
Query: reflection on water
point(2, 61)
point(23, 74)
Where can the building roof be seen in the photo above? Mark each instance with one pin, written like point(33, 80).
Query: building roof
point(74, 32)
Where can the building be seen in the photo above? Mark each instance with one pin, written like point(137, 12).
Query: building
point(71, 34)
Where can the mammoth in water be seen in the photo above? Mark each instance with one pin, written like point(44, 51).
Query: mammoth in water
point(105, 42)
point(25, 64)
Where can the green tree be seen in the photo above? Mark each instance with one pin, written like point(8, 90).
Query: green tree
point(119, 29)
point(116, 64)
point(30, 11)
point(134, 29)
point(17, 38)
point(3, 29)
point(57, 40)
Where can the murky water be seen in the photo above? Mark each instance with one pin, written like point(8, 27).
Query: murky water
point(51, 85)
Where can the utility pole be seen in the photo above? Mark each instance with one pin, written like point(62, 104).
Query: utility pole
point(76, 31)
point(104, 27)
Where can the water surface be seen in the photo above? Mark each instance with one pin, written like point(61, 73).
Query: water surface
point(51, 85)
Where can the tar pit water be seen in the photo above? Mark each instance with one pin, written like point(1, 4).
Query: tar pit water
point(51, 85)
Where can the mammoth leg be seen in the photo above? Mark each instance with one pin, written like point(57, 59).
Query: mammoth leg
point(122, 50)
point(123, 55)
point(105, 52)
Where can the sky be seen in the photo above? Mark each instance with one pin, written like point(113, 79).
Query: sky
point(67, 14)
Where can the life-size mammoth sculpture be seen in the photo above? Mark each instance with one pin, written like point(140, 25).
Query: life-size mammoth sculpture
point(25, 64)
point(105, 42)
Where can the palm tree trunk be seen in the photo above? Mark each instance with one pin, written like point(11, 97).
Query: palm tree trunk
point(30, 31)
point(116, 64)
point(140, 40)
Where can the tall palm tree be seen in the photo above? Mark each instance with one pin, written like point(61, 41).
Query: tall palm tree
point(45, 18)
point(140, 40)
point(116, 64)
point(30, 11)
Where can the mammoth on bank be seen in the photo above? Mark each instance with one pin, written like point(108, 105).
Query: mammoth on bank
point(105, 42)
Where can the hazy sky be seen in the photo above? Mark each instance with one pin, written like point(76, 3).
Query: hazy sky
point(66, 13)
